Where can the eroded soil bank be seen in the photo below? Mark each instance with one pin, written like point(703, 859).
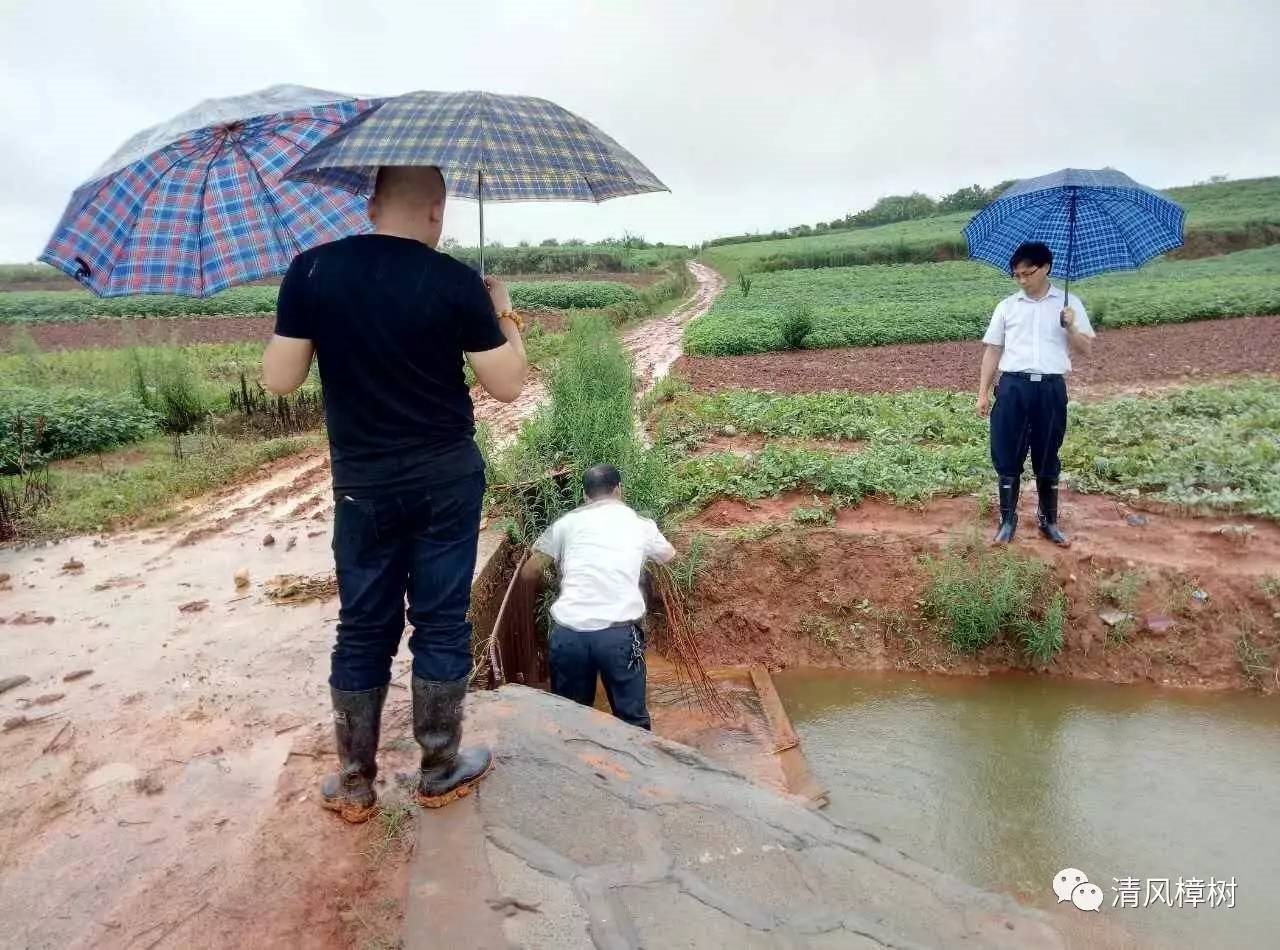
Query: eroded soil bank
point(1171, 600)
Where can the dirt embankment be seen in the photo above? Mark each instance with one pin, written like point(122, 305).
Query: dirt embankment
point(113, 333)
point(850, 595)
point(1189, 352)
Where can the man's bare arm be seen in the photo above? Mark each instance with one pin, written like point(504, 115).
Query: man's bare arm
point(990, 362)
point(286, 363)
point(502, 371)
point(534, 567)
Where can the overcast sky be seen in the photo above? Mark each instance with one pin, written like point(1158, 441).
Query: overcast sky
point(756, 114)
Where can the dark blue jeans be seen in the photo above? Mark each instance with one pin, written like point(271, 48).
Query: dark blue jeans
point(1028, 417)
point(421, 544)
point(616, 654)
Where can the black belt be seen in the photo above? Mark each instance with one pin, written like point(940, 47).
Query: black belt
point(1034, 377)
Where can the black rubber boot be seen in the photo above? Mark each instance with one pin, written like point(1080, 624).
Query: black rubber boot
point(1008, 510)
point(1048, 514)
point(357, 721)
point(448, 773)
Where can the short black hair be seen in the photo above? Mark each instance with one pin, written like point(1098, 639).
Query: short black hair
point(1035, 253)
point(600, 480)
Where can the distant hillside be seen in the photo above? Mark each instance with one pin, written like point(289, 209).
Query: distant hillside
point(1221, 218)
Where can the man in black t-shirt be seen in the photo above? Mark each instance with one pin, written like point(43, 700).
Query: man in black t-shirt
point(389, 321)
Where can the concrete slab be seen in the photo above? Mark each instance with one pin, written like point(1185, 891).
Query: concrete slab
point(617, 838)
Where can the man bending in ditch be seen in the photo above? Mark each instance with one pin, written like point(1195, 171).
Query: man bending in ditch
point(389, 320)
point(600, 549)
point(1031, 339)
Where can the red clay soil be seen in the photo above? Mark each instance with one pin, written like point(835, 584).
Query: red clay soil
point(114, 333)
point(1186, 351)
point(776, 599)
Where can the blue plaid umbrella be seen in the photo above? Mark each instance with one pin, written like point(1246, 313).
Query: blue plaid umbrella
point(1093, 221)
point(199, 203)
point(488, 146)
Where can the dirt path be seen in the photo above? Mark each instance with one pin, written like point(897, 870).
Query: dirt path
point(1189, 352)
point(654, 345)
point(167, 797)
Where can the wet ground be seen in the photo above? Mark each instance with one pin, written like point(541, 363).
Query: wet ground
point(166, 797)
point(1188, 352)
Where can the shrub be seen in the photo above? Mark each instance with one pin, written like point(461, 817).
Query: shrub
point(572, 295)
point(62, 423)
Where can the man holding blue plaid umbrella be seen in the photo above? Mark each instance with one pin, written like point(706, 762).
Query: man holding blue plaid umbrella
point(1031, 338)
point(1097, 220)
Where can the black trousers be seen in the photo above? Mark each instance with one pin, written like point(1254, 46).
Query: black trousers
point(616, 653)
point(420, 543)
point(1028, 417)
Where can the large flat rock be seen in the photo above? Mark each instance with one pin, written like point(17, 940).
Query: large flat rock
point(590, 833)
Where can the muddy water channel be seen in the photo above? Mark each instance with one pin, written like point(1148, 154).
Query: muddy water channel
point(1005, 781)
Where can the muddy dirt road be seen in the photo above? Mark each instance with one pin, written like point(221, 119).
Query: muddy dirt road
point(167, 797)
point(654, 345)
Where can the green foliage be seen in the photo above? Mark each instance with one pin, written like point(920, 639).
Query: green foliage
point(587, 421)
point(572, 294)
point(57, 306)
point(817, 515)
point(1256, 663)
point(1217, 208)
point(1205, 447)
point(797, 322)
point(163, 382)
point(977, 595)
point(624, 256)
point(878, 305)
point(56, 424)
point(93, 495)
point(744, 282)
point(689, 568)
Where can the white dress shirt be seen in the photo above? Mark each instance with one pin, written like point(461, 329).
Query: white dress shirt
point(1032, 334)
point(600, 550)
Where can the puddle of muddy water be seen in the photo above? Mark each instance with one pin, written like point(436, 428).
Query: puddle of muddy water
point(1004, 781)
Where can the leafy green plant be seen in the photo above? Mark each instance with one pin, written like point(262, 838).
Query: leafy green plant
point(57, 424)
point(818, 515)
point(977, 596)
point(744, 283)
point(690, 567)
point(1255, 663)
point(875, 305)
point(797, 322)
point(572, 294)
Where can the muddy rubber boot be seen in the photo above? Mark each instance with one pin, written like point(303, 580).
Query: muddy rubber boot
point(447, 773)
point(1048, 514)
point(1008, 510)
point(357, 719)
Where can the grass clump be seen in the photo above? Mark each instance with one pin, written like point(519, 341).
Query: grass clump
point(978, 596)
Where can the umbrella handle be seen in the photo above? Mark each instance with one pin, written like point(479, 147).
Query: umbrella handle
point(1071, 247)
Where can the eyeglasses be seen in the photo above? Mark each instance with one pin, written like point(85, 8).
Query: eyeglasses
point(1026, 272)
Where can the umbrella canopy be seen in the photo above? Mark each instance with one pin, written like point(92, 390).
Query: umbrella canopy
point(487, 146)
point(199, 203)
point(500, 148)
point(1094, 221)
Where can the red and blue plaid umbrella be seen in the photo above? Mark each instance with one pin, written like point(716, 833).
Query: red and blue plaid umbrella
point(200, 203)
point(488, 146)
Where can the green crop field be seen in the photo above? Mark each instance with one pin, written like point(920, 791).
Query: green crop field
point(1203, 447)
point(61, 306)
point(917, 303)
point(1222, 207)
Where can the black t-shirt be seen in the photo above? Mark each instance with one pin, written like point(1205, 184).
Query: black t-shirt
point(390, 319)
